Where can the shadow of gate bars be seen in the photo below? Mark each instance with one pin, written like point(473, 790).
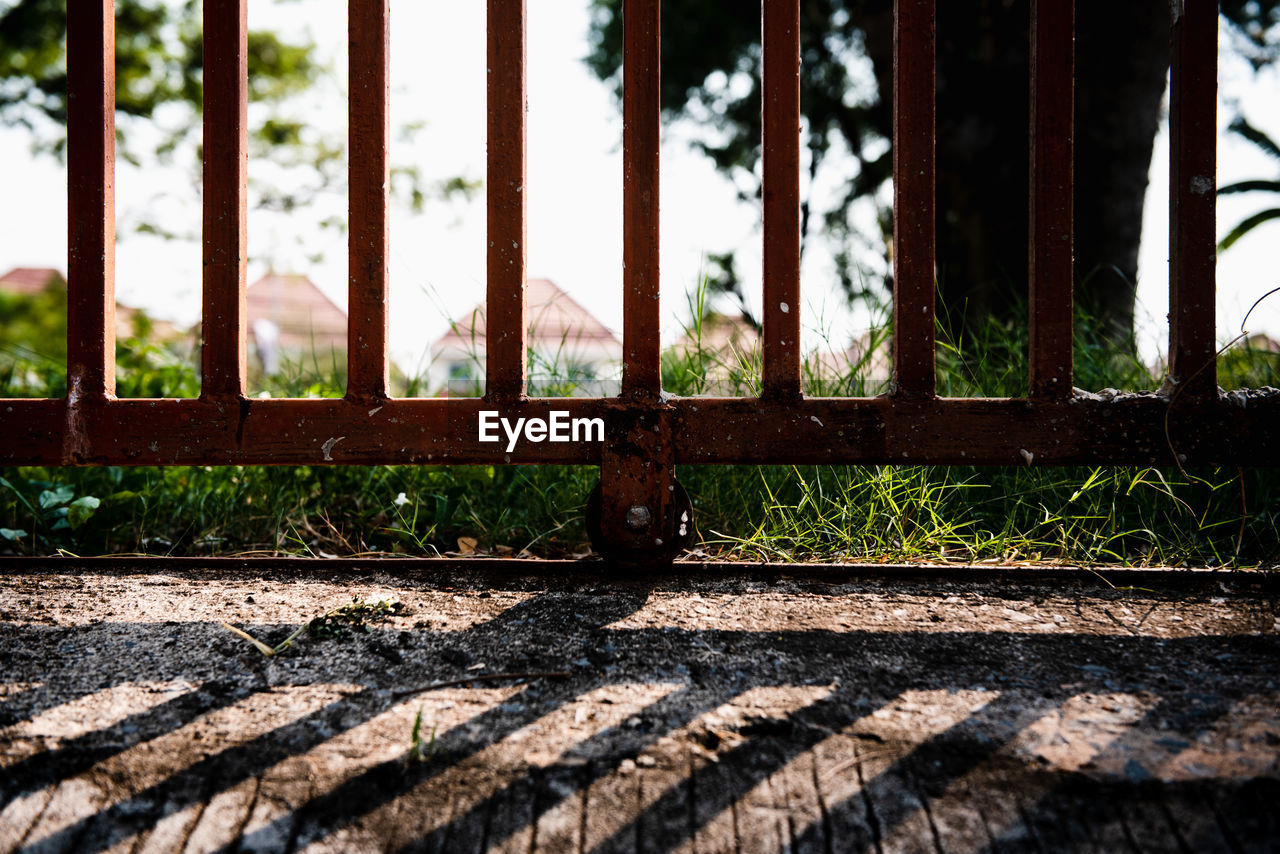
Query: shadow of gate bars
point(638, 513)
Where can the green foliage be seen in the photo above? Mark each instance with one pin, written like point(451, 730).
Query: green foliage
point(421, 749)
point(1249, 364)
point(33, 352)
point(148, 368)
point(33, 343)
point(296, 165)
point(158, 64)
point(1268, 146)
point(1088, 516)
point(159, 104)
point(53, 510)
point(356, 616)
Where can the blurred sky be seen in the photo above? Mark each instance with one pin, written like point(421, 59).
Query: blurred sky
point(574, 192)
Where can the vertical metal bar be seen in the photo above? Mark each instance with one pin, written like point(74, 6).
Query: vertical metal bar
point(91, 206)
point(781, 141)
point(226, 95)
point(1050, 266)
point(914, 37)
point(1193, 124)
point(368, 131)
point(641, 312)
point(505, 296)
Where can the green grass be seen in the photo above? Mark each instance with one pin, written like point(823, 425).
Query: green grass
point(1121, 516)
point(421, 750)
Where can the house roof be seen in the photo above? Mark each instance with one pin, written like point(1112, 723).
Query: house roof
point(300, 310)
point(31, 280)
point(553, 317)
point(161, 330)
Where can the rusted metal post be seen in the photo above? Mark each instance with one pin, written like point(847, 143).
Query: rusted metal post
point(781, 143)
point(637, 480)
point(226, 95)
point(914, 37)
point(91, 202)
point(1050, 264)
point(641, 313)
point(505, 200)
point(368, 131)
point(91, 218)
point(1193, 126)
point(641, 519)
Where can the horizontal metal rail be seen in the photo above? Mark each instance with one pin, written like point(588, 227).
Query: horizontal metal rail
point(1130, 430)
point(497, 573)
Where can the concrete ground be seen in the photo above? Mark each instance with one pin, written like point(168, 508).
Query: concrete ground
point(721, 711)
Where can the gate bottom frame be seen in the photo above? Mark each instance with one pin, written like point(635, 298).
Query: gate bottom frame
point(638, 514)
point(640, 502)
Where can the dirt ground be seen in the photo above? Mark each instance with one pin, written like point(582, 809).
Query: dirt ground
point(753, 711)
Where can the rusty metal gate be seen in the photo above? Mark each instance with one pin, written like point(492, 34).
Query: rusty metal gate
point(639, 510)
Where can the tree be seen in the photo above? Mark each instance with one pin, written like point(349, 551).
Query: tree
point(294, 165)
point(711, 72)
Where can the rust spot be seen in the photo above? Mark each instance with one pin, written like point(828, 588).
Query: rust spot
point(75, 437)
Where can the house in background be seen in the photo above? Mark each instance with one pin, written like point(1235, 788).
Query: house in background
point(32, 281)
point(289, 319)
point(567, 346)
point(726, 348)
point(727, 336)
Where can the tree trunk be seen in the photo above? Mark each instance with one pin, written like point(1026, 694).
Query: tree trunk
point(1122, 66)
point(1122, 52)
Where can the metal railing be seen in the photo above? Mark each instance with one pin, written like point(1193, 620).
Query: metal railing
point(638, 509)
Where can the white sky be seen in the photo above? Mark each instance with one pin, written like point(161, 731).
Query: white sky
point(574, 192)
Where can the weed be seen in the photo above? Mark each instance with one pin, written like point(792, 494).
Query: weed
point(420, 750)
point(268, 651)
point(356, 616)
point(338, 624)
